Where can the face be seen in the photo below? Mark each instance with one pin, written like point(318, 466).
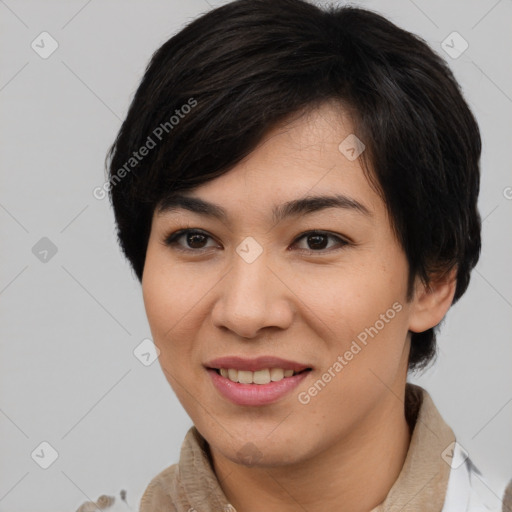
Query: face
point(322, 287)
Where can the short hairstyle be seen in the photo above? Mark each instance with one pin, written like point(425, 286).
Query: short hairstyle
point(213, 90)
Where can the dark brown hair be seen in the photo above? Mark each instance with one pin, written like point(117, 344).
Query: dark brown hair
point(212, 91)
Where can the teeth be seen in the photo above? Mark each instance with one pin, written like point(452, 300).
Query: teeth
point(276, 374)
point(245, 377)
point(259, 377)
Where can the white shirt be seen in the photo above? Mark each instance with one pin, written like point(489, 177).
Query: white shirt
point(468, 491)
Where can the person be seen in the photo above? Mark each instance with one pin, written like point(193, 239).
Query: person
point(295, 188)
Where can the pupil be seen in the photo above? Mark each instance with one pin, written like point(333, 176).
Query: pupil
point(315, 245)
point(191, 238)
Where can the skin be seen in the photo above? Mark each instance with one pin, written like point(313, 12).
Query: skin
point(345, 448)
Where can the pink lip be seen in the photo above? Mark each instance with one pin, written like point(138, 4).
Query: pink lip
point(258, 363)
point(255, 394)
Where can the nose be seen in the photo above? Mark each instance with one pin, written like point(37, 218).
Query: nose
point(252, 297)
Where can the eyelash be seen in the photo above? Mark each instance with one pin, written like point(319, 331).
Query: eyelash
point(171, 240)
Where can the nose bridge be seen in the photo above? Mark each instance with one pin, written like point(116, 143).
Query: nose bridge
point(247, 290)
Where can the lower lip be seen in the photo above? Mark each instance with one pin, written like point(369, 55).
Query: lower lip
point(255, 394)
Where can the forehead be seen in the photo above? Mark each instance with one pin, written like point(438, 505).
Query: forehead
point(302, 165)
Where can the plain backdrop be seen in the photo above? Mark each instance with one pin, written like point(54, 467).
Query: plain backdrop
point(72, 314)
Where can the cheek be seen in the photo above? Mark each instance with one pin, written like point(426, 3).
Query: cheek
point(174, 297)
point(364, 319)
point(164, 289)
point(169, 309)
point(351, 299)
point(364, 360)
point(166, 304)
point(374, 316)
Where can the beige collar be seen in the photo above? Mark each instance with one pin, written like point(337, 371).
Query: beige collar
point(423, 481)
point(421, 485)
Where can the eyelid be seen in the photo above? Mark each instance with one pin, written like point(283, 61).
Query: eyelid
point(342, 241)
point(170, 240)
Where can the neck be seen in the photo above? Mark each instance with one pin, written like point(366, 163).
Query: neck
point(355, 474)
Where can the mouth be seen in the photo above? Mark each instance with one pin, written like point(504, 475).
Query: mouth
point(254, 394)
point(256, 382)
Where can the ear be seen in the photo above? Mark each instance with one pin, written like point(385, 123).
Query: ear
point(432, 301)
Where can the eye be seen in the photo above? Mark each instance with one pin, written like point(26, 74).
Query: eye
point(196, 240)
point(317, 239)
point(193, 237)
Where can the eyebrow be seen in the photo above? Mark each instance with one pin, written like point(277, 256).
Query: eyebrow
point(294, 208)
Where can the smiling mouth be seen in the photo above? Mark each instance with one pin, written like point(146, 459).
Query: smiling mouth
point(264, 376)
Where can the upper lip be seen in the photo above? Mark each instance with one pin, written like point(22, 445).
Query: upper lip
point(255, 364)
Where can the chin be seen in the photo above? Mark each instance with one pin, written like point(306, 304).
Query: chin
point(249, 455)
point(260, 451)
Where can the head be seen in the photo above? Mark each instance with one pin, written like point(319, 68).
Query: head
point(261, 107)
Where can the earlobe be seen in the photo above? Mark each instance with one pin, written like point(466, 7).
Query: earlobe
point(432, 301)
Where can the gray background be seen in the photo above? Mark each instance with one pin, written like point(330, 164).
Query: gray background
point(70, 323)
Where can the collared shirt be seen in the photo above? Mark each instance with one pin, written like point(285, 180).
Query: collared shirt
point(437, 475)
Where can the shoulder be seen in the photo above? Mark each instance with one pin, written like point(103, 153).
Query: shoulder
point(158, 494)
